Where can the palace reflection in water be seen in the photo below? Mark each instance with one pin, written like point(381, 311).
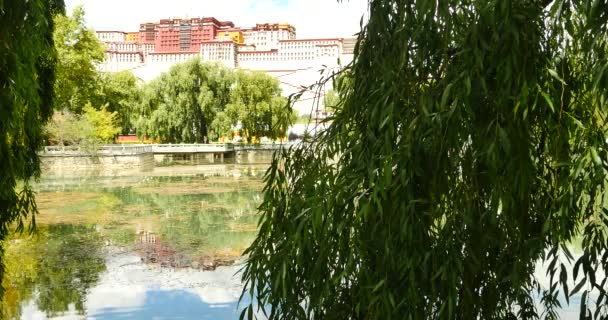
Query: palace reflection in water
point(163, 244)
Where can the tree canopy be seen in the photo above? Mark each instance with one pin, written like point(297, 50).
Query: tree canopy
point(27, 78)
point(466, 156)
point(79, 51)
point(120, 92)
point(256, 103)
point(195, 101)
point(93, 127)
point(56, 269)
point(179, 105)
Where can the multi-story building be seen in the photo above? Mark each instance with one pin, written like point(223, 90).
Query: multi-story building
point(147, 48)
point(234, 35)
point(119, 58)
point(348, 45)
point(266, 36)
point(147, 32)
point(111, 36)
point(228, 44)
point(179, 35)
point(220, 51)
point(171, 57)
point(294, 54)
point(309, 49)
point(246, 47)
point(176, 34)
point(132, 37)
point(259, 60)
point(122, 47)
point(272, 48)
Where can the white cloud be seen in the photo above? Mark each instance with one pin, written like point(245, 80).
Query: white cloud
point(312, 18)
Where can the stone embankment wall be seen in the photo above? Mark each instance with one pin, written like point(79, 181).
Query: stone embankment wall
point(143, 161)
point(192, 158)
point(145, 158)
point(253, 156)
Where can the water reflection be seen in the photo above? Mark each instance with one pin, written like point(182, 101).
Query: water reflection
point(161, 244)
point(55, 268)
point(130, 289)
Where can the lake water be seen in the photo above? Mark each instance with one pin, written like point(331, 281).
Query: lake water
point(164, 244)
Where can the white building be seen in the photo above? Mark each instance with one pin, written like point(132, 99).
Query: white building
point(121, 56)
point(111, 36)
point(271, 48)
point(220, 51)
point(171, 58)
point(259, 60)
point(147, 48)
point(266, 36)
point(123, 46)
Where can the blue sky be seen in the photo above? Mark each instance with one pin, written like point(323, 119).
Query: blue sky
point(312, 18)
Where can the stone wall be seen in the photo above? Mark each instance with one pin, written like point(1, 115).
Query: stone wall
point(192, 158)
point(251, 156)
point(142, 162)
point(78, 162)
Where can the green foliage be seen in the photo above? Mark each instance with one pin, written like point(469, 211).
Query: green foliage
point(304, 119)
point(104, 123)
point(256, 104)
point(66, 128)
point(79, 52)
point(180, 105)
point(27, 76)
point(221, 126)
point(21, 262)
point(56, 267)
point(70, 264)
point(469, 150)
point(120, 91)
point(330, 100)
point(195, 101)
point(92, 128)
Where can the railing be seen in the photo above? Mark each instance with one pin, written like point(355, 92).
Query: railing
point(263, 146)
point(191, 148)
point(99, 150)
point(158, 149)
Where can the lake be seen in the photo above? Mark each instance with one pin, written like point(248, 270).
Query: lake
point(164, 244)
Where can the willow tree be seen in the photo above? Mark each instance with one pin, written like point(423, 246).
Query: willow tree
point(27, 75)
point(468, 151)
point(256, 103)
point(180, 105)
point(197, 100)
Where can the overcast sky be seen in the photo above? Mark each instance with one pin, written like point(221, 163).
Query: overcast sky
point(312, 18)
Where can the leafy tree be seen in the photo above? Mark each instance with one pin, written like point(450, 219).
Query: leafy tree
point(469, 150)
point(222, 126)
point(330, 100)
point(69, 266)
point(66, 128)
point(27, 76)
point(91, 128)
point(256, 103)
point(195, 101)
point(104, 123)
point(180, 105)
point(56, 267)
point(21, 261)
point(341, 84)
point(120, 91)
point(79, 52)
